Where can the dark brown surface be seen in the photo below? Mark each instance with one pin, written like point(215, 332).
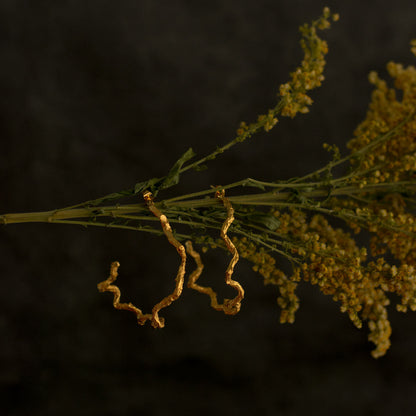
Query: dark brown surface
point(98, 95)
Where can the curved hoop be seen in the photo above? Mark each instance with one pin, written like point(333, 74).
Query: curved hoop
point(106, 286)
point(231, 306)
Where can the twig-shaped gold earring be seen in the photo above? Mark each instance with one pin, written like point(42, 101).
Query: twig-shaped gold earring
point(158, 322)
point(194, 276)
point(230, 306)
point(106, 286)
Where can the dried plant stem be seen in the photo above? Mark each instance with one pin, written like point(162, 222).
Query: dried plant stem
point(294, 219)
point(106, 286)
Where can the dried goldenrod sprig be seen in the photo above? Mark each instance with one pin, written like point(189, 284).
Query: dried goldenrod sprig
point(265, 265)
point(292, 97)
point(158, 322)
point(309, 74)
point(106, 286)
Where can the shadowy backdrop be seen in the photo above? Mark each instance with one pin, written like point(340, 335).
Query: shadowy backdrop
point(97, 95)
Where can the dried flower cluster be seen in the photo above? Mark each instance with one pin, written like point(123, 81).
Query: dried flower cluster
point(309, 75)
point(265, 265)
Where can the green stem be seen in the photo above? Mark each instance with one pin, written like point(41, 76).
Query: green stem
point(260, 199)
point(254, 128)
point(64, 214)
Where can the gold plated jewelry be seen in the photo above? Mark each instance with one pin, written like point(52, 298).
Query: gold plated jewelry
point(230, 306)
point(106, 286)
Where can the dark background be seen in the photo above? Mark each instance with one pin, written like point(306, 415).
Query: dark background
point(98, 95)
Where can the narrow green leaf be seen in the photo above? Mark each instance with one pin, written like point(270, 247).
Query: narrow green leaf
point(200, 168)
point(172, 178)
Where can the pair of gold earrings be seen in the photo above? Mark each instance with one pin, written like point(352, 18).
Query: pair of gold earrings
point(229, 306)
